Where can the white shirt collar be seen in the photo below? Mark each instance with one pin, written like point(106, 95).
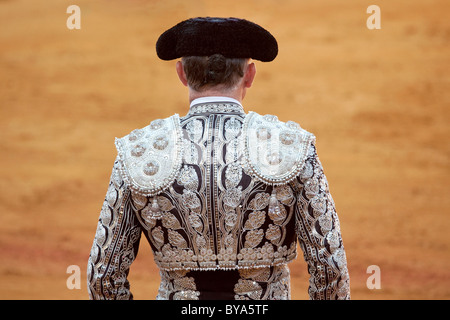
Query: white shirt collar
point(214, 99)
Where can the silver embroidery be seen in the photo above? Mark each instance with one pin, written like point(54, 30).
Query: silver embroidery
point(148, 171)
point(178, 286)
point(115, 244)
point(319, 234)
point(238, 242)
point(263, 284)
point(207, 202)
point(274, 151)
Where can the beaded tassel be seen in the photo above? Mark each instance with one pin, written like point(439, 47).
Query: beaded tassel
point(274, 208)
point(156, 212)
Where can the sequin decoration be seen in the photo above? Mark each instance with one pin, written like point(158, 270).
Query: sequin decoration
point(151, 168)
point(160, 143)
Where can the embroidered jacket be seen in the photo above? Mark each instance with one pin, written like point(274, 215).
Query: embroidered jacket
point(216, 192)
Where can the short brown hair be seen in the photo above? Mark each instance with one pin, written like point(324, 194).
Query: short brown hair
point(206, 72)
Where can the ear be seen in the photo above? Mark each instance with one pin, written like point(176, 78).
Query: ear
point(249, 75)
point(181, 74)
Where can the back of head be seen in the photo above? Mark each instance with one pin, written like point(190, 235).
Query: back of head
point(213, 71)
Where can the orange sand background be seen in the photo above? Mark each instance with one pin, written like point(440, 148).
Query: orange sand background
point(377, 100)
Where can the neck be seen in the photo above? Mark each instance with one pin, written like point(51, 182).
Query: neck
point(235, 94)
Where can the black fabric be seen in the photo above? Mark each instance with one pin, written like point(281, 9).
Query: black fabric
point(231, 37)
point(215, 285)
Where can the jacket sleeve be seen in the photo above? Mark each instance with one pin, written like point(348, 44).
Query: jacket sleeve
point(319, 234)
point(115, 244)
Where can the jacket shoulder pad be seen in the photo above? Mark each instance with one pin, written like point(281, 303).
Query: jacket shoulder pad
point(274, 151)
point(151, 157)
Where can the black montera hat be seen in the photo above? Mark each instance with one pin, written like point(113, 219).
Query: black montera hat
point(231, 37)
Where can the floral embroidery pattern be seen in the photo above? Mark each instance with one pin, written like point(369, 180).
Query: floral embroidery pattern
point(272, 283)
point(215, 212)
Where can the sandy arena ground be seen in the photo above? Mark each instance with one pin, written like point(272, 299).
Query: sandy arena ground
point(377, 100)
